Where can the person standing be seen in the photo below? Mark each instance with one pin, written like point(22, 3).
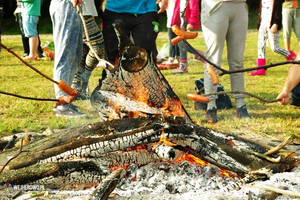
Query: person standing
point(192, 17)
point(173, 57)
point(270, 22)
point(139, 19)
point(290, 20)
point(30, 15)
point(225, 21)
point(25, 40)
point(67, 37)
point(89, 60)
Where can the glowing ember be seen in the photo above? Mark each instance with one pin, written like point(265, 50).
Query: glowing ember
point(163, 139)
point(191, 159)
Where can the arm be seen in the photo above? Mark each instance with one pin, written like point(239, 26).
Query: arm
point(193, 18)
point(163, 5)
point(292, 80)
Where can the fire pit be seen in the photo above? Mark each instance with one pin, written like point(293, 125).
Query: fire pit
point(145, 147)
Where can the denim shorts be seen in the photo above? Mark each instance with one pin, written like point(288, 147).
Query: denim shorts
point(30, 25)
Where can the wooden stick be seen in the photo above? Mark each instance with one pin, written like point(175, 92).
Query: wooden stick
point(13, 157)
point(280, 146)
point(265, 187)
point(241, 92)
point(268, 158)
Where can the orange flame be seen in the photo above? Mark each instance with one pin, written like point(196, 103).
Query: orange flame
point(191, 159)
point(118, 167)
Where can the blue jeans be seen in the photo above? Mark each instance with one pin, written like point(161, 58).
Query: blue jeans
point(67, 37)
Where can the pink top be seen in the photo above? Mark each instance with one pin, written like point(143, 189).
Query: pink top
point(192, 14)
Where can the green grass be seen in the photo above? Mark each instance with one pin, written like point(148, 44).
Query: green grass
point(268, 120)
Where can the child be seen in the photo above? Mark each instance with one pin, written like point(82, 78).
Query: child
point(270, 22)
point(192, 15)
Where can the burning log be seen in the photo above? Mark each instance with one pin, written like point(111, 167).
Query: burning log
point(105, 138)
point(163, 131)
point(135, 88)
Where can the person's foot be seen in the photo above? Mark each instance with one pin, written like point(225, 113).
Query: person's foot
point(242, 112)
point(211, 115)
point(182, 69)
point(28, 58)
point(41, 56)
point(24, 55)
point(259, 72)
point(70, 112)
point(71, 105)
point(167, 65)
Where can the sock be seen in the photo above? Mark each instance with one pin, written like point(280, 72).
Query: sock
point(212, 104)
point(239, 102)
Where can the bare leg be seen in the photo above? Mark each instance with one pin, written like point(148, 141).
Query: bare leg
point(287, 44)
point(33, 45)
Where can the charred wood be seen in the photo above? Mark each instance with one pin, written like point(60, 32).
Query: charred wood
point(137, 86)
point(104, 189)
point(39, 171)
point(105, 138)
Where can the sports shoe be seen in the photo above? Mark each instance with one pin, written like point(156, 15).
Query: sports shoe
point(41, 56)
point(211, 116)
point(24, 55)
point(71, 105)
point(182, 69)
point(167, 65)
point(69, 112)
point(292, 56)
point(242, 112)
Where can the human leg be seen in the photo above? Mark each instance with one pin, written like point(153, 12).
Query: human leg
point(287, 24)
point(183, 65)
point(261, 49)
point(30, 30)
point(274, 43)
point(67, 36)
point(25, 40)
point(89, 61)
point(296, 26)
point(236, 41)
point(214, 27)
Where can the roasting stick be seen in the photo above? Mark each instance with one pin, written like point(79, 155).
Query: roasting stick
point(61, 84)
point(204, 99)
point(266, 187)
point(88, 37)
point(223, 71)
